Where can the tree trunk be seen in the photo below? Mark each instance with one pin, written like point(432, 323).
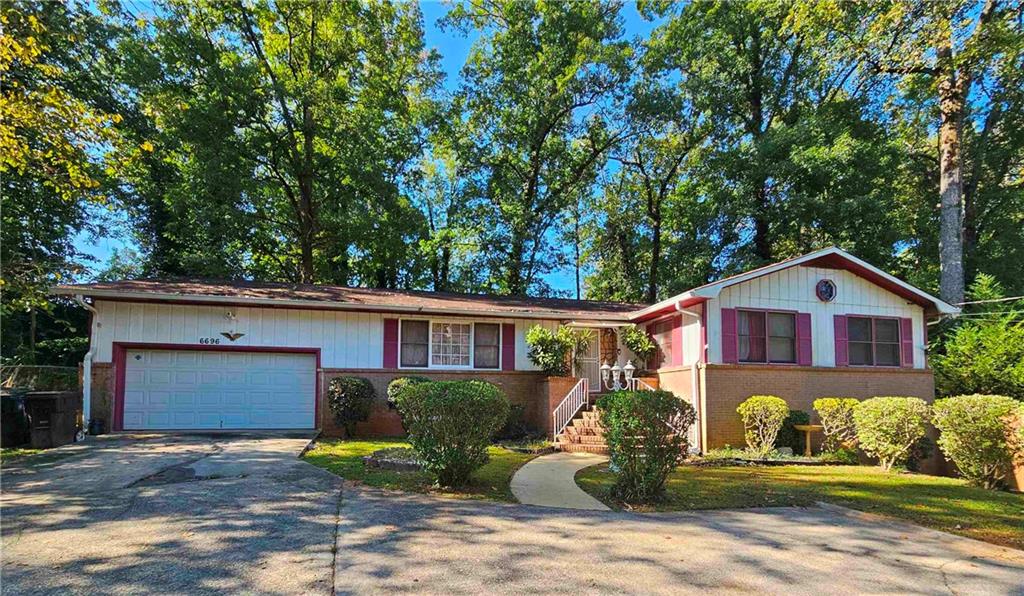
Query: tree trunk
point(951, 256)
point(652, 275)
point(762, 238)
point(514, 272)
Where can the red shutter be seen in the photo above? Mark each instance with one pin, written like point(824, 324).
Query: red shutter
point(390, 343)
point(907, 341)
point(842, 356)
point(677, 341)
point(729, 347)
point(803, 339)
point(508, 346)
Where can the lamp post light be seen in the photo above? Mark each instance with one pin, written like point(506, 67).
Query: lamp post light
point(612, 376)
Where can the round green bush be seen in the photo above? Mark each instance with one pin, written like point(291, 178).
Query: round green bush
point(889, 428)
point(975, 437)
point(763, 416)
point(450, 425)
point(400, 383)
point(836, 415)
point(350, 399)
point(646, 432)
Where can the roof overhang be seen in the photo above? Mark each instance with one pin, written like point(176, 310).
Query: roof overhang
point(245, 301)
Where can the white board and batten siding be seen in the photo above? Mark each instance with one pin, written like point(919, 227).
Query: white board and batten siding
point(794, 289)
point(345, 339)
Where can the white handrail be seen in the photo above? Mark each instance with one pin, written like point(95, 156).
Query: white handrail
point(573, 402)
point(636, 384)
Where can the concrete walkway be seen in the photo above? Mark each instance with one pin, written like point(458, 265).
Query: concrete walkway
point(549, 481)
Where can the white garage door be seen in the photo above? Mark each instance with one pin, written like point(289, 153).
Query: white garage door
point(185, 389)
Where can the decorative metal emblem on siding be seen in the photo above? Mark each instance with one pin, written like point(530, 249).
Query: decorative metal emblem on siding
point(825, 290)
point(232, 336)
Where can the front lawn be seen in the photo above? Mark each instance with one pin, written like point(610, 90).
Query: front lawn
point(946, 504)
point(345, 458)
point(8, 454)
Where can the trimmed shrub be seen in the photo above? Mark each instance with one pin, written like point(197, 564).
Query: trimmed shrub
point(763, 416)
point(836, 414)
point(889, 428)
point(639, 429)
point(400, 383)
point(788, 435)
point(450, 424)
point(350, 399)
point(974, 436)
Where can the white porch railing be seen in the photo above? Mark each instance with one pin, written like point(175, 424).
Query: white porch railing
point(636, 384)
point(573, 402)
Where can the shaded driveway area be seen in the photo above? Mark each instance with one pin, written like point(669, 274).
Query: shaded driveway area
point(170, 514)
point(391, 543)
point(225, 514)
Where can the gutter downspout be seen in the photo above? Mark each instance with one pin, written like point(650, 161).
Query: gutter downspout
point(87, 368)
point(694, 379)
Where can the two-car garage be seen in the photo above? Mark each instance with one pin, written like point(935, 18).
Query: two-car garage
point(215, 389)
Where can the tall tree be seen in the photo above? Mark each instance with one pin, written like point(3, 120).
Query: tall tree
point(541, 87)
point(56, 143)
point(295, 126)
point(945, 47)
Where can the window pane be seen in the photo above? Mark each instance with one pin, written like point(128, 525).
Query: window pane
point(887, 330)
point(860, 353)
point(887, 354)
point(486, 339)
point(781, 325)
point(858, 329)
point(414, 343)
point(450, 344)
point(750, 328)
point(782, 349)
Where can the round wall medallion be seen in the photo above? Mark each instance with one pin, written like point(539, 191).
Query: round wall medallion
point(825, 290)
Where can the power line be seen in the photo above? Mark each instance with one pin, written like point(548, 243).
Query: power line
point(992, 300)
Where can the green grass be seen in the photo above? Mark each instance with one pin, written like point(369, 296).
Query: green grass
point(345, 458)
point(946, 504)
point(8, 454)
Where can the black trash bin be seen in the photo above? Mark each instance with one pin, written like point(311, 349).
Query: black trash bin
point(53, 417)
point(13, 419)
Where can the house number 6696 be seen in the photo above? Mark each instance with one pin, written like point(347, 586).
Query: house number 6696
point(209, 340)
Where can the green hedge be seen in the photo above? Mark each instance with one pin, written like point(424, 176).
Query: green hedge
point(974, 435)
point(450, 424)
point(836, 414)
point(646, 432)
point(891, 428)
point(350, 399)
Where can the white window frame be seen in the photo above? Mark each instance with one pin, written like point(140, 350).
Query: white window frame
point(472, 345)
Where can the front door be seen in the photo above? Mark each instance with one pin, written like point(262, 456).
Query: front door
point(590, 365)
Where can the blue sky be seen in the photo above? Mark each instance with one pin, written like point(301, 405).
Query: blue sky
point(454, 48)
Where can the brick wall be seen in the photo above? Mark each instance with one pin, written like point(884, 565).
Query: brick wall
point(729, 385)
point(521, 388)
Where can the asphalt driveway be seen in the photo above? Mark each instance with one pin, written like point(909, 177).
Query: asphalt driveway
point(170, 514)
point(224, 514)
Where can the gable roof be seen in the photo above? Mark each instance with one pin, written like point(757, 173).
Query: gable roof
point(248, 293)
point(830, 258)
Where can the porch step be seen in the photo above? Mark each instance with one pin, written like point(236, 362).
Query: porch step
point(582, 448)
point(584, 433)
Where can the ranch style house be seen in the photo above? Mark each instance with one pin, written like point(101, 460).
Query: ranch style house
point(248, 355)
